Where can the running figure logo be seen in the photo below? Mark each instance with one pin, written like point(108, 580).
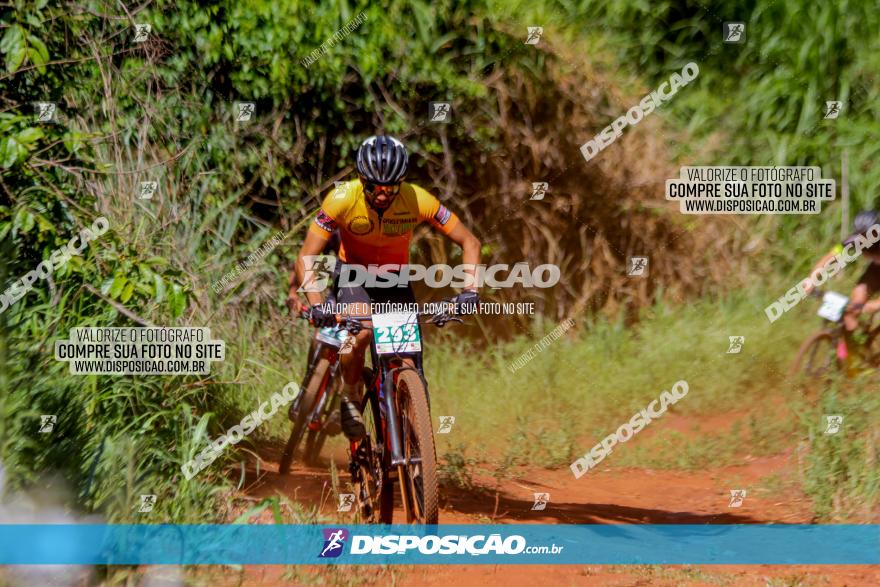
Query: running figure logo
point(736, 344)
point(541, 501)
point(334, 540)
point(734, 32)
point(147, 503)
point(141, 32)
point(347, 345)
point(346, 500)
point(339, 190)
point(833, 424)
point(148, 188)
point(46, 111)
point(245, 111)
point(440, 111)
point(638, 266)
point(832, 109)
point(737, 496)
point(318, 272)
point(446, 423)
point(47, 423)
point(539, 188)
point(535, 33)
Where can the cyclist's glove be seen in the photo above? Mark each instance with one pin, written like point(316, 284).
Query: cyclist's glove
point(467, 302)
point(321, 317)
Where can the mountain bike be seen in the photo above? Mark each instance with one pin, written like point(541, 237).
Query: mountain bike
point(313, 409)
point(399, 440)
point(829, 349)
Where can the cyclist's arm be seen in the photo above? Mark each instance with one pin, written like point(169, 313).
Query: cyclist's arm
point(318, 237)
point(871, 307)
point(822, 262)
point(470, 250)
point(313, 245)
point(855, 307)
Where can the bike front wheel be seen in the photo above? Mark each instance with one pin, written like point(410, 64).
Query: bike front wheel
point(418, 480)
point(316, 438)
point(817, 357)
point(317, 383)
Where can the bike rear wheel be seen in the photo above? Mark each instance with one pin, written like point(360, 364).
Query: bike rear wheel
point(317, 382)
point(419, 478)
point(817, 357)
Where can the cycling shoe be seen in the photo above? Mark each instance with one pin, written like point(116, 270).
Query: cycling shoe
point(352, 420)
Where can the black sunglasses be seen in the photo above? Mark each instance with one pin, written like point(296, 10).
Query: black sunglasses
point(370, 187)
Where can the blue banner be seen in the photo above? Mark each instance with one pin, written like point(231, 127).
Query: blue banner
point(447, 544)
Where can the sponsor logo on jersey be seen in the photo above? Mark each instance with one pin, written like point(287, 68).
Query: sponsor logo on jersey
point(360, 225)
point(398, 226)
point(443, 215)
point(325, 222)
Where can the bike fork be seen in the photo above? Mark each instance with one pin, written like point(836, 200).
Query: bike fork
point(397, 457)
point(319, 407)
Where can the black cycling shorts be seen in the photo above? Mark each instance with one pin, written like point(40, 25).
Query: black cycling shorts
point(376, 295)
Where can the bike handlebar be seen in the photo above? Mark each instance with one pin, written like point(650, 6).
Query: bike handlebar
point(355, 324)
point(820, 293)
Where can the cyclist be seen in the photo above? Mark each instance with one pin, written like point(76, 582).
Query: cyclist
point(869, 283)
point(376, 215)
point(332, 426)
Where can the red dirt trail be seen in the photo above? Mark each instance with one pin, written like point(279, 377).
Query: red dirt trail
point(603, 496)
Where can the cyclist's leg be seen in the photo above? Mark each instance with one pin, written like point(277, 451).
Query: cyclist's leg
point(359, 300)
point(857, 300)
point(356, 302)
point(867, 287)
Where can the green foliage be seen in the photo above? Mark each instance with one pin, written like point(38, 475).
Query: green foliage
point(577, 391)
point(455, 468)
point(164, 111)
point(841, 470)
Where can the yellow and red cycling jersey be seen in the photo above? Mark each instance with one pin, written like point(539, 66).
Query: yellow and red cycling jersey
point(367, 237)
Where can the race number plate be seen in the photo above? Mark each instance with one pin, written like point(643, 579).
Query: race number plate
point(332, 335)
point(397, 332)
point(833, 305)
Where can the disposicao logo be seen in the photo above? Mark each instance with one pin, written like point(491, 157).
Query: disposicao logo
point(334, 541)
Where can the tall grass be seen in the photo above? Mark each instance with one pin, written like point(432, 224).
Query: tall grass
point(163, 111)
point(841, 471)
point(580, 389)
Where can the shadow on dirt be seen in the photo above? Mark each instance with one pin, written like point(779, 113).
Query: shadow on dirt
point(312, 485)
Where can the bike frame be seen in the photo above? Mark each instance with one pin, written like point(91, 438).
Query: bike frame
point(320, 349)
point(385, 388)
point(381, 380)
point(838, 334)
point(386, 367)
